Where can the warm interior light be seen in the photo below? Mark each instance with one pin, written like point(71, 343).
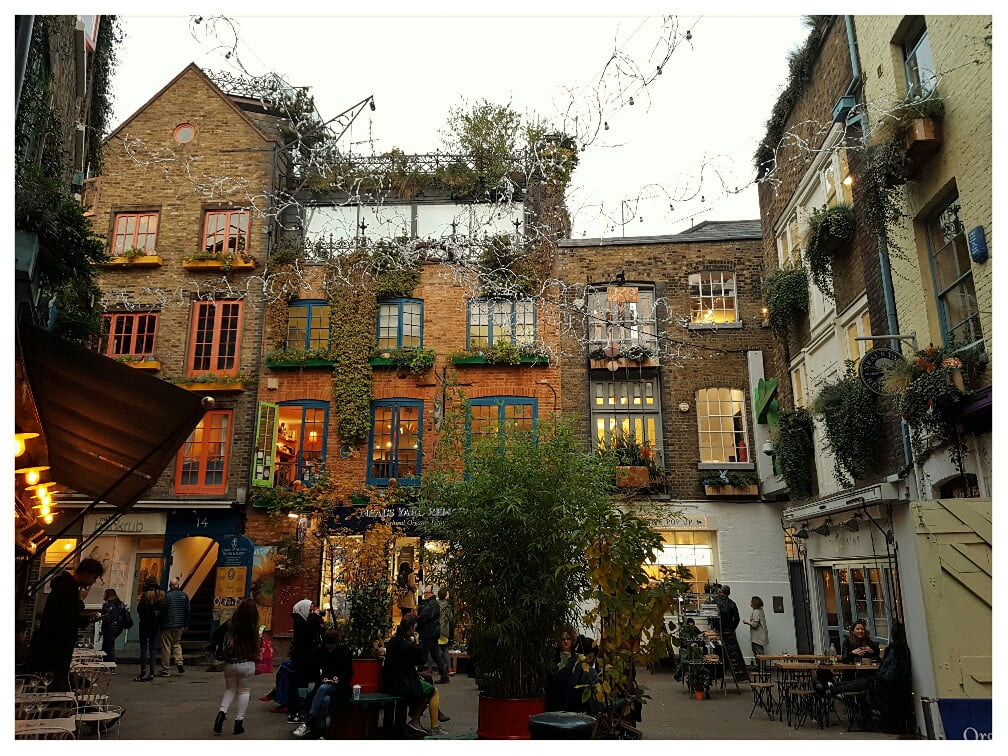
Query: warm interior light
point(848, 180)
point(19, 442)
point(47, 519)
point(31, 473)
point(68, 545)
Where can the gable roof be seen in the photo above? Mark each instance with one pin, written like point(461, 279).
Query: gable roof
point(213, 87)
point(708, 231)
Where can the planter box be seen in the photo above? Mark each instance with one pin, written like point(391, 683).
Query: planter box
point(217, 265)
point(733, 492)
point(477, 360)
point(152, 365)
point(633, 477)
point(213, 388)
point(922, 139)
point(506, 718)
point(286, 364)
point(141, 261)
point(623, 362)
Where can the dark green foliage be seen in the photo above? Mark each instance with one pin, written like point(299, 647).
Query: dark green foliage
point(827, 228)
point(794, 451)
point(785, 292)
point(853, 422)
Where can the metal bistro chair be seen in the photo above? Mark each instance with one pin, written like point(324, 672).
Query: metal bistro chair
point(90, 683)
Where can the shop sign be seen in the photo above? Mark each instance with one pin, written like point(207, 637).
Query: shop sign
point(234, 569)
point(148, 523)
point(877, 366)
point(679, 522)
point(966, 718)
point(405, 517)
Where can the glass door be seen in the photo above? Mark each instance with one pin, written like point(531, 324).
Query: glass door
point(853, 591)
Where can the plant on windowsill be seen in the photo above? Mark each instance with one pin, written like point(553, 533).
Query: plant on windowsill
point(829, 231)
point(415, 361)
point(786, 294)
point(934, 390)
point(853, 423)
point(633, 463)
point(502, 353)
point(218, 260)
point(730, 483)
point(794, 451)
point(300, 358)
point(235, 382)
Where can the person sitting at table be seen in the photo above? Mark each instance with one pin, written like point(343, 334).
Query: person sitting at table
point(859, 645)
point(889, 689)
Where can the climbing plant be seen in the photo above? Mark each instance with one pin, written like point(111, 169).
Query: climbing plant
point(794, 450)
point(852, 421)
point(785, 292)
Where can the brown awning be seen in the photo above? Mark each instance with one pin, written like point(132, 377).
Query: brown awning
point(110, 429)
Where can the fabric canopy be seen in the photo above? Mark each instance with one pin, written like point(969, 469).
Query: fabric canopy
point(110, 429)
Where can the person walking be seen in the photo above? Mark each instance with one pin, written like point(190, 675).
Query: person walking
point(52, 644)
point(447, 633)
point(114, 619)
point(150, 611)
point(759, 637)
point(176, 621)
point(237, 645)
point(406, 589)
point(305, 641)
point(429, 628)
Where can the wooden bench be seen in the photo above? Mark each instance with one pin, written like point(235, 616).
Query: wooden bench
point(358, 718)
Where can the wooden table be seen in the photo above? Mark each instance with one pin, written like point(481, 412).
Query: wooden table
point(26, 727)
point(790, 674)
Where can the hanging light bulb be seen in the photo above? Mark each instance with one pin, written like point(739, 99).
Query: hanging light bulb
point(48, 519)
point(31, 473)
point(20, 438)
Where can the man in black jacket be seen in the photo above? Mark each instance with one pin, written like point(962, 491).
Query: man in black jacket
point(727, 610)
point(51, 647)
point(429, 628)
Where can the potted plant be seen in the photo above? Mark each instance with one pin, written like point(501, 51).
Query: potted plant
point(920, 130)
point(533, 491)
point(634, 462)
point(730, 483)
point(829, 231)
point(786, 295)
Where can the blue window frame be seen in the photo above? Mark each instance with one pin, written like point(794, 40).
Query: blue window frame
point(952, 273)
point(308, 324)
point(301, 438)
point(492, 416)
point(395, 449)
point(500, 320)
point(400, 324)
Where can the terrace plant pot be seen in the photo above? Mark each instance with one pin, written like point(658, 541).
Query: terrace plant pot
point(729, 491)
point(632, 476)
point(922, 140)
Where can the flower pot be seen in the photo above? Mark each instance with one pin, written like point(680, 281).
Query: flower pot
point(367, 674)
point(732, 491)
point(507, 718)
point(957, 379)
point(699, 695)
point(633, 476)
point(922, 139)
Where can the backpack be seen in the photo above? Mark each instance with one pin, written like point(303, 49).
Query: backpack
point(125, 618)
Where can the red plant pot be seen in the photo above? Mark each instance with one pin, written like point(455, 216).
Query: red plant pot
point(367, 674)
point(507, 718)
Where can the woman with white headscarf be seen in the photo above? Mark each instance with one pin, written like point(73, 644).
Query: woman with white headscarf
point(306, 639)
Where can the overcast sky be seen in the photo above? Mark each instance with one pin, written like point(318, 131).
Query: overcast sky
point(689, 133)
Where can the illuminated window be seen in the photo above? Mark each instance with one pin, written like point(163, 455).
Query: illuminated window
point(627, 409)
point(203, 458)
point(722, 425)
point(712, 298)
point(693, 549)
point(216, 332)
point(400, 324)
point(58, 549)
point(495, 416)
point(395, 449)
point(308, 324)
point(129, 334)
point(136, 232)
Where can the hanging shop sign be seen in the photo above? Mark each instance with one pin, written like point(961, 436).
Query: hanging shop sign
point(877, 367)
point(409, 519)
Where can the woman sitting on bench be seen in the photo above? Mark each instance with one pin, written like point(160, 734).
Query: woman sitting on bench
point(403, 654)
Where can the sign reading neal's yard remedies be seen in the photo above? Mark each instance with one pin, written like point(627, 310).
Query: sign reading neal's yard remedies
point(876, 367)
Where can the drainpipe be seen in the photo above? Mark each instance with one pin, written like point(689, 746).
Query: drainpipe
point(888, 293)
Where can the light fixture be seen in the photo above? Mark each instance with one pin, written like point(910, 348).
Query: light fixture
point(19, 442)
point(848, 180)
point(47, 519)
point(853, 524)
point(803, 531)
point(31, 473)
point(768, 448)
point(38, 488)
point(371, 105)
point(824, 529)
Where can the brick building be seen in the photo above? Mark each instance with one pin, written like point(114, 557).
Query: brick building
point(666, 344)
point(903, 273)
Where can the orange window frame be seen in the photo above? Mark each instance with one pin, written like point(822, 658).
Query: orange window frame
point(134, 231)
point(226, 231)
point(130, 334)
point(202, 463)
point(215, 337)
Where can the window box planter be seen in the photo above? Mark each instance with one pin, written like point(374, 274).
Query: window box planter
point(213, 388)
point(633, 476)
point(623, 362)
point(478, 360)
point(140, 261)
point(290, 364)
point(922, 140)
point(218, 265)
point(732, 492)
point(151, 365)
